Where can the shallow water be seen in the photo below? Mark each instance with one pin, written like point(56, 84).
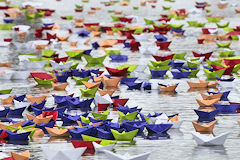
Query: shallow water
point(181, 144)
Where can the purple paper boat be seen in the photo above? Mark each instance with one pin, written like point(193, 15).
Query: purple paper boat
point(133, 85)
point(161, 38)
point(83, 33)
point(124, 79)
point(147, 86)
point(130, 126)
point(87, 52)
point(126, 45)
point(118, 58)
point(20, 98)
point(60, 100)
point(179, 75)
point(38, 106)
point(81, 73)
point(158, 128)
point(126, 109)
point(177, 64)
point(3, 113)
point(61, 77)
point(231, 108)
point(16, 112)
point(104, 134)
point(206, 116)
point(77, 132)
point(94, 71)
point(93, 120)
point(18, 136)
point(60, 110)
point(224, 96)
point(159, 73)
point(85, 105)
point(95, 45)
point(69, 119)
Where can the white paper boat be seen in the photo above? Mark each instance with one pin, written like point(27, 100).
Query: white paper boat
point(163, 119)
point(4, 44)
point(223, 2)
point(20, 75)
point(61, 65)
point(18, 104)
point(213, 31)
point(100, 148)
point(142, 37)
point(63, 154)
point(6, 75)
point(209, 140)
point(114, 156)
point(22, 28)
point(106, 99)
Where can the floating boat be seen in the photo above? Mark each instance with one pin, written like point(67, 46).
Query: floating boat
point(39, 119)
point(209, 140)
point(165, 88)
point(124, 136)
point(205, 115)
point(211, 96)
point(200, 84)
point(126, 156)
point(207, 103)
point(21, 156)
point(204, 128)
point(57, 132)
point(59, 86)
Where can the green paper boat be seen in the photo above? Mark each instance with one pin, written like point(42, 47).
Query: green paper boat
point(103, 115)
point(237, 57)
point(170, 15)
point(194, 59)
point(11, 128)
point(226, 53)
point(192, 23)
point(44, 81)
point(69, 17)
point(85, 120)
point(30, 54)
point(40, 14)
point(115, 19)
point(223, 25)
point(131, 67)
point(208, 10)
point(30, 16)
point(236, 68)
point(135, 8)
point(214, 19)
point(201, 24)
point(110, 52)
point(75, 54)
point(39, 59)
point(193, 73)
point(6, 91)
point(79, 6)
point(192, 64)
point(179, 17)
point(138, 30)
point(85, 1)
point(169, 1)
point(148, 21)
point(223, 45)
point(179, 56)
point(228, 29)
point(116, 29)
point(160, 63)
point(124, 136)
point(212, 75)
point(27, 127)
point(129, 116)
point(158, 68)
point(216, 63)
point(93, 60)
point(89, 93)
point(111, 11)
point(166, 7)
point(74, 66)
point(176, 26)
point(48, 53)
point(103, 141)
point(6, 26)
point(235, 37)
point(79, 80)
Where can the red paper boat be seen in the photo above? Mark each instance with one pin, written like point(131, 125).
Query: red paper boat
point(206, 55)
point(200, 41)
point(117, 72)
point(124, 19)
point(121, 40)
point(124, 33)
point(121, 102)
point(6, 15)
point(45, 10)
point(50, 36)
point(206, 30)
point(91, 24)
point(49, 113)
point(4, 7)
point(78, 10)
point(129, 35)
point(163, 45)
point(102, 107)
point(200, 6)
point(238, 110)
point(79, 143)
point(3, 135)
point(7, 39)
point(63, 59)
point(134, 45)
point(228, 70)
point(107, 28)
point(119, 25)
point(164, 19)
point(231, 62)
point(164, 16)
point(164, 29)
point(41, 75)
point(8, 158)
point(163, 58)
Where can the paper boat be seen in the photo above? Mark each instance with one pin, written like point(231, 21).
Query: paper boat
point(60, 66)
point(206, 116)
point(209, 140)
point(52, 153)
point(133, 85)
point(214, 74)
point(21, 136)
point(107, 91)
point(89, 92)
point(124, 136)
point(21, 156)
point(163, 45)
point(54, 132)
point(8, 100)
point(163, 58)
point(211, 96)
point(59, 86)
point(207, 103)
point(206, 55)
point(101, 148)
point(179, 75)
point(200, 84)
point(113, 156)
point(117, 72)
point(91, 85)
point(88, 144)
point(39, 119)
point(32, 99)
point(111, 82)
point(158, 128)
point(128, 116)
point(204, 128)
point(165, 88)
point(231, 108)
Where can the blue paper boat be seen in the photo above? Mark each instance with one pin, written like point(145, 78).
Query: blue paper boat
point(81, 73)
point(85, 105)
point(147, 86)
point(17, 136)
point(159, 73)
point(94, 71)
point(69, 119)
point(60, 100)
point(231, 108)
point(124, 79)
point(208, 68)
point(38, 106)
point(126, 45)
point(61, 77)
point(16, 112)
point(118, 58)
point(206, 116)
point(87, 52)
point(3, 113)
point(8, 21)
point(43, 125)
point(28, 123)
point(73, 102)
point(177, 64)
point(95, 45)
point(133, 85)
point(20, 98)
point(179, 75)
point(83, 33)
point(61, 110)
point(224, 96)
point(126, 109)
point(93, 120)
point(161, 38)
point(130, 126)
point(226, 80)
point(158, 128)
point(104, 134)
point(77, 132)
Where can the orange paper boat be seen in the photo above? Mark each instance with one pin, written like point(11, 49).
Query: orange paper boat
point(200, 84)
point(207, 103)
point(223, 37)
point(110, 33)
point(39, 119)
point(38, 100)
point(222, 6)
point(79, 20)
point(208, 37)
point(237, 10)
point(79, 25)
point(211, 96)
point(54, 132)
point(107, 43)
point(73, 43)
point(38, 133)
point(124, 3)
point(91, 85)
point(143, 3)
point(8, 64)
point(60, 38)
point(18, 124)
point(118, 12)
point(106, 91)
point(96, 33)
point(60, 86)
point(40, 46)
point(8, 100)
point(21, 35)
point(111, 82)
point(168, 88)
point(204, 128)
point(21, 156)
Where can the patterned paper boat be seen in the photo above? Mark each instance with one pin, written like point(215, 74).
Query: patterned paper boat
point(204, 128)
point(209, 140)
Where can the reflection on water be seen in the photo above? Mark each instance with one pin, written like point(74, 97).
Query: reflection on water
point(210, 152)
